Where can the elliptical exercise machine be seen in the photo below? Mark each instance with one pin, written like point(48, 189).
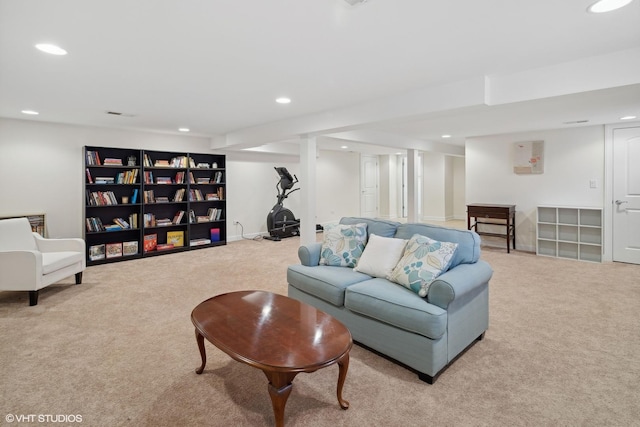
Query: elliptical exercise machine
point(281, 222)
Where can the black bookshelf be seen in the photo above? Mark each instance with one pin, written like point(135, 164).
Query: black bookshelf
point(142, 203)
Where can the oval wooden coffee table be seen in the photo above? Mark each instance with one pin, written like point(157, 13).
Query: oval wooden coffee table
point(277, 334)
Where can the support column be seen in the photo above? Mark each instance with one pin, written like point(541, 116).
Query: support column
point(413, 162)
point(308, 190)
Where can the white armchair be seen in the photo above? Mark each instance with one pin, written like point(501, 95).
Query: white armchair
point(29, 262)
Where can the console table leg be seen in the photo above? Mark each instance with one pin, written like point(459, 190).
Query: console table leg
point(280, 385)
point(203, 354)
point(343, 366)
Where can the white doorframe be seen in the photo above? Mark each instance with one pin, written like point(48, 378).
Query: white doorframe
point(607, 204)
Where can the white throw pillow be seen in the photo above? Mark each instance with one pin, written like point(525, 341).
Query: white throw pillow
point(380, 255)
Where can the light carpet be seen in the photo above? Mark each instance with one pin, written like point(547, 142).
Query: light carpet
point(119, 350)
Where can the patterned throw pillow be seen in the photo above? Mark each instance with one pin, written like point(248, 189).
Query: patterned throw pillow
point(343, 244)
point(423, 260)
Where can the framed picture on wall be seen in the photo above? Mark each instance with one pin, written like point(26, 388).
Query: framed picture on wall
point(528, 157)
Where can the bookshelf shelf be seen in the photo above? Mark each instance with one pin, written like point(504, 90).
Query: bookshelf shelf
point(146, 188)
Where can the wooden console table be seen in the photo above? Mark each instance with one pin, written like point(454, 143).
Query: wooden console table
point(500, 215)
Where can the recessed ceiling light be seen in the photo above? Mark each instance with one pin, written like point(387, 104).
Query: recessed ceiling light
point(446, 136)
point(51, 48)
point(184, 129)
point(602, 6)
point(344, 147)
point(627, 118)
point(283, 100)
point(30, 112)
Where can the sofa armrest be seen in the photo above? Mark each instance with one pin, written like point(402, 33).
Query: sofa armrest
point(21, 270)
point(59, 245)
point(458, 282)
point(310, 254)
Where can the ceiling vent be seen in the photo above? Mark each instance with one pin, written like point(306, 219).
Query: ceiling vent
point(116, 113)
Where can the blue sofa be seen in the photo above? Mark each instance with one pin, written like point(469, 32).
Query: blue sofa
point(424, 334)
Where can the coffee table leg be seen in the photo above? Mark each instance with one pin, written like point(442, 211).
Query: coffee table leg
point(280, 385)
point(203, 354)
point(343, 366)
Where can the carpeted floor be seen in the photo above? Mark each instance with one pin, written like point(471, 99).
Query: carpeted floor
point(119, 350)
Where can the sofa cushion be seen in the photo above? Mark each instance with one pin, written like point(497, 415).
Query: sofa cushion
point(380, 255)
point(54, 261)
point(390, 303)
point(423, 260)
point(325, 282)
point(343, 244)
point(381, 227)
point(468, 241)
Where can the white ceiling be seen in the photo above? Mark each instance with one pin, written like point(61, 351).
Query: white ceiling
point(379, 73)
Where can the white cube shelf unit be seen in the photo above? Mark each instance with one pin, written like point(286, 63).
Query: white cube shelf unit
point(570, 232)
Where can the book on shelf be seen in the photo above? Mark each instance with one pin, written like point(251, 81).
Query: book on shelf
point(176, 238)
point(218, 177)
point(121, 222)
point(220, 192)
point(199, 242)
point(164, 246)
point(212, 196)
point(163, 180)
point(163, 222)
point(96, 252)
point(114, 250)
point(105, 180)
point(146, 160)
point(94, 224)
point(150, 242)
point(89, 178)
point(127, 177)
point(178, 217)
point(161, 164)
point(192, 216)
point(93, 158)
point(130, 248)
point(148, 196)
point(148, 177)
point(133, 220)
point(162, 199)
point(101, 198)
point(203, 165)
point(179, 196)
point(134, 196)
point(215, 234)
point(149, 220)
point(214, 214)
point(195, 195)
point(179, 178)
point(112, 227)
point(110, 161)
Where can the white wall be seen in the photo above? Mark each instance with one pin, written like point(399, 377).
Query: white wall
point(41, 171)
point(337, 186)
point(572, 158)
point(42, 167)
